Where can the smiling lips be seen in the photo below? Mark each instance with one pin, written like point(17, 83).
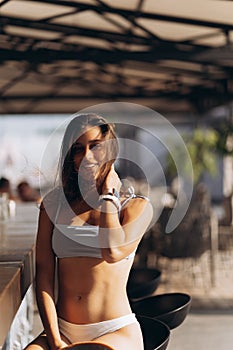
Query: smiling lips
point(89, 165)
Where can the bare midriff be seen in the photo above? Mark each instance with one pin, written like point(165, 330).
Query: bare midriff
point(92, 290)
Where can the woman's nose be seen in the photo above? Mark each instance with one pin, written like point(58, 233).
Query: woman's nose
point(88, 153)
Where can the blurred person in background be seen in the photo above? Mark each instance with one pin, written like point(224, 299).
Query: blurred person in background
point(27, 193)
point(5, 187)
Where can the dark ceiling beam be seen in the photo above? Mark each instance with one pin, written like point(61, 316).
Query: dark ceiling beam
point(101, 56)
point(82, 53)
point(159, 49)
point(95, 55)
point(100, 8)
point(200, 100)
point(71, 30)
point(71, 52)
point(99, 34)
point(4, 2)
point(23, 75)
point(197, 92)
point(112, 96)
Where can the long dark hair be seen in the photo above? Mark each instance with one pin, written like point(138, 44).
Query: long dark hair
point(68, 175)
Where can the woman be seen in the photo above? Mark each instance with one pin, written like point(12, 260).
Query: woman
point(92, 233)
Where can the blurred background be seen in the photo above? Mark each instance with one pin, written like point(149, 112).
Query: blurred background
point(174, 57)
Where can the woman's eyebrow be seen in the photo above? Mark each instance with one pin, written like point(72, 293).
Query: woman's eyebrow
point(96, 140)
point(91, 141)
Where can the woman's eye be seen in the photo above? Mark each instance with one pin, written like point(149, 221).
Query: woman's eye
point(77, 149)
point(96, 147)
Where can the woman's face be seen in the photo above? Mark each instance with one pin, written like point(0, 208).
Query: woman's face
point(89, 153)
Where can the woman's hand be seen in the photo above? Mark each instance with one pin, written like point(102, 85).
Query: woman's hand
point(62, 345)
point(112, 181)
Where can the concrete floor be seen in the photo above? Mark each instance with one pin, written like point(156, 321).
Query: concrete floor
point(203, 331)
point(209, 325)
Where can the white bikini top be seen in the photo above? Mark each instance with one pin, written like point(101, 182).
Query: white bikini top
point(78, 241)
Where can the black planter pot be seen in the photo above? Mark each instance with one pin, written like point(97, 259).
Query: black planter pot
point(156, 334)
point(170, 308)
point(142, 282)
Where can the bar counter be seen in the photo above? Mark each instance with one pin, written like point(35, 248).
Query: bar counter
point(17, 268)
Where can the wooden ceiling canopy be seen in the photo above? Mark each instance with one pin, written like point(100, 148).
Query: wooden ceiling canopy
point(61, 56)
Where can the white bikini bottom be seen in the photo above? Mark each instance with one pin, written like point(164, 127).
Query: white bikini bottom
point(86, 332)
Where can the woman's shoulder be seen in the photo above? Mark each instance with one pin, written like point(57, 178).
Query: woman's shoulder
point(133, 201)
point(136, 206)
point(130, 196)
point(51, 197)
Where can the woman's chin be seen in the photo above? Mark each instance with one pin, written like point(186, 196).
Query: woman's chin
point(88, 177)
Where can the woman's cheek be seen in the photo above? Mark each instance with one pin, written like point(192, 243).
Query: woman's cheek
point(102, 158)
point(76, 166)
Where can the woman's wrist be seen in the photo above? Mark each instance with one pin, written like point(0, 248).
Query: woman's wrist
point(108, 190)
point(59, 346)
point(114, 198)
point(57, 343)
point(111, 190)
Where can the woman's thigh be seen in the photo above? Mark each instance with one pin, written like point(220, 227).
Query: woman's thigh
point(129, 337)
point(40, 343)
